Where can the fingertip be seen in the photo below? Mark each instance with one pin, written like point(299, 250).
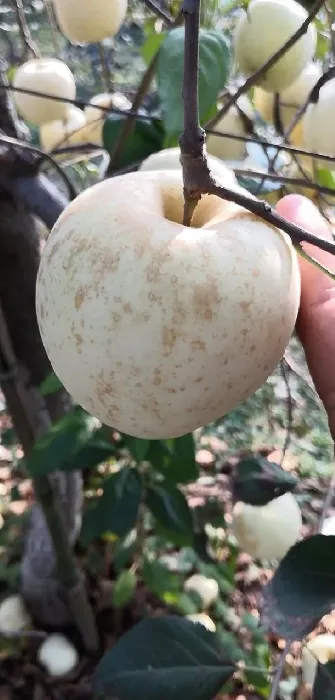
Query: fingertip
point(301, 211)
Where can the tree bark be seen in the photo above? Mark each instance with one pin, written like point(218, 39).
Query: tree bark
point(19, 261)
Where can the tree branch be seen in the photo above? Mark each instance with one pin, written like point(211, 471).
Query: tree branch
point(29, 45)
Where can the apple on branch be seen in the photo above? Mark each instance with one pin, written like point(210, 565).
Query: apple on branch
point(85, 21)
point(45, 75)
point(154, 327)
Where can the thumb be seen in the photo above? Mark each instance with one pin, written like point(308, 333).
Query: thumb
point(316, 319)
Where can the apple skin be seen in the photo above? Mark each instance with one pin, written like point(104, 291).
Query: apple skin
point(156, 328)
point(47, 75)
point(318, 123)
point(95, 117)
point(261, 31)
point(231, 123)
point(85, 21)
point(169, 159)
point(319, 649)
point(59, 133)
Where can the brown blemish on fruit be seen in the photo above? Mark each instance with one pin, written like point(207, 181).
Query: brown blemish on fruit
point(197, 345)
point(168, 340)
point(54, 250)
point(245, 306)
point(78, 341)
point(206, 299)
point(80, 296)
point(127, 309)
point(104, 389)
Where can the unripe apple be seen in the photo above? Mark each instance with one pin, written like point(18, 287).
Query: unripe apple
point(319, 649)
point(191, 320)
point(262, 30)
point(231, 123)
point(267, 532)
point(85, 21)
point(318, 123)
point(206, 588)
point(290, 100)
point(69, 132)
point(95, 116)
point(58, 655)
point(14, 616)
point(169, 159)
point(47, 75)
point(202, 619)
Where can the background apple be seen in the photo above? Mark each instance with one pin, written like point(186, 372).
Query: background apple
point(85, 21)
point(232, 122)
point(70, 131)
point(47, 75)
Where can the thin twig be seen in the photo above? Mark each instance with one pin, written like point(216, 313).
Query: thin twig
point(53, 26)
point(31, 49)
point(285, 179)
point(279, 671)
point(253, 79)
point(104, 66)
point(159, 11)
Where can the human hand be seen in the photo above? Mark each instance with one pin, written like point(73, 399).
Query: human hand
point(316, 318)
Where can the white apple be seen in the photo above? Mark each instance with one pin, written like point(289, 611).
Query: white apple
point(267, 532)
point(318, 123)
point(202, 619)
point(290, 100)
point(156, 328)
point(14, 616)
point(262, 30)
point(69, 132)
point(206, 588)
point(319, 649)
point(85, 21)
point(58, 655)
point(95, 116)
point(169, 159)
point(46, 75)
point(231, 123)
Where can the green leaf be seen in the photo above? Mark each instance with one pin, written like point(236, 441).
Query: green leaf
point(151, 46)
point(138, 447)
point(167, 658)
point(170, 508)
point(159, 579)
point(57, 448)
point(302, 588)
point(324, 684)
point(50, 385)
point(326, 178)
point(213, 72)
point(257, 481)
point(147, 137)
point(96, 451)
point(175, 459)
point(116, 510)
point(124, 588)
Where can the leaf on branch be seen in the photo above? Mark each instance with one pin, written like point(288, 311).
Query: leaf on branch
point(214, 59)
point(124, 588)
point(167, 658)
point(324, 684)
point(171, 511)
point(151, 46)
point(257, 481)
point(175, 459)
point(138, 447)
point(146, 137)
point(116, 510)
point(160, 580)
point(302, 589)
point(51, 385)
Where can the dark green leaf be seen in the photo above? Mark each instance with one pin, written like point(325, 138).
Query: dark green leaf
point(51, 385)
point(9, 438)
point(175, 459)
point(116, 510)
point(96, 451)
point(151, 46)
point(213, 72)
point(124, 588)
point(302, 589)
point(167, 658)
point(138, 447)
point(160, 456)
point(258, 481)
point(170, 508)
point(146, 137)
point(57, 448)
point(324, 684)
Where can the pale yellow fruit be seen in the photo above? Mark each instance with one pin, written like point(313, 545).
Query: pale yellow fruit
point(206, 588)
point(14, 616)
point(69, 132)
point(320, 648)
point(318, 123)
point(95, 116)
point(295, 172)
point(47, 75)
point(290, 100)
point(264, 29)
point(156, 328)
point(202, 619)
point(231, 123)
point(58, 655)
point(267, 532)
point(169, 159)
point(85, 21)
